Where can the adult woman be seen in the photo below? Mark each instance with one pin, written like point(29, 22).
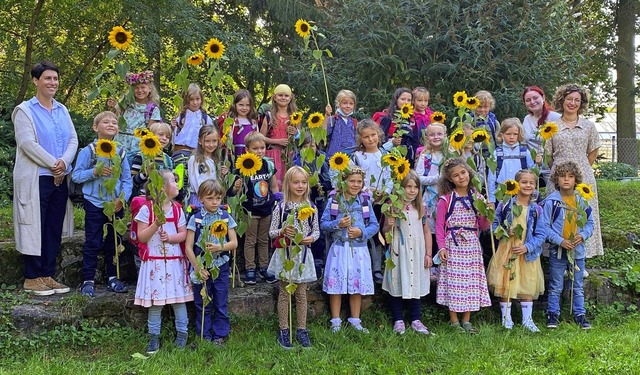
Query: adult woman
point(539, 114)
point(46, 143)
point(577, 141)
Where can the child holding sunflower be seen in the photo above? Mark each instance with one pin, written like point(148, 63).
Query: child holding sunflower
point(421, 111)
point(96, 163)
point(428, 168)
point(305, 220)
point(401, 102)
point(203, 164)
point(341, 127)
point(163, 161)
point(485, 118)
point(188, 123)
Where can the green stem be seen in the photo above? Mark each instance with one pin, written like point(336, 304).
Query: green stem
point(324, 76)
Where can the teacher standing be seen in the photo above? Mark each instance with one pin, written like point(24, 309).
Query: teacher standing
point(46, 143)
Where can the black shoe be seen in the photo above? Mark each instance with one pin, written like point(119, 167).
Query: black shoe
point(116, 286)
point(553, 320)
point(266, 276)
point(283, 339)
point(581, 320)
point(302, 336)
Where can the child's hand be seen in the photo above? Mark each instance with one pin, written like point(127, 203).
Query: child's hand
point(291, 130)
point(328, 110)
point(237, 185)
point(204, 274)
point(174, 123)
point(354, 232)
point(58, 180)
point(444, 254)
point(289, 231)
point(224, 170)
point(307, 241)
point(397, 141)
point(577, 240)
point(566, 244)
point(213, 247)
point(103, 171)
point(281, 142)
point(519, 249)
point(428, 261)
point(164, 237)
point(118, 205)
point(159, 223)
point(344, 222)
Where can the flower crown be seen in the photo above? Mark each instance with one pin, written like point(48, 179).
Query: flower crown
point(143, 77)
point(354, 169)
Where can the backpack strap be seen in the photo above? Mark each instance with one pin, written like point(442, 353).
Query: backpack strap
point(181, 119)
point(148, 111)
point(555, 210)
point(522, 155)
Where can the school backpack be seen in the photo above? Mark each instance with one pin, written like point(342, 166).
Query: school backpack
point(334, 209)
point(75, 189)
point(148, 112)
point(451, 203)
point(198, 221)
point(522, 155)
point(143, 248)
point(182, 116)
point(533, 214)
point(332, 122)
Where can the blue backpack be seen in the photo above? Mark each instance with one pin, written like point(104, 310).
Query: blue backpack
point(500, 158)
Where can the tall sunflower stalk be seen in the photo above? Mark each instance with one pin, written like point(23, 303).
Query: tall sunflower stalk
point(545, 132)
point(340, 162)
point(578, 214)
point(311, 33)
point(311, 162)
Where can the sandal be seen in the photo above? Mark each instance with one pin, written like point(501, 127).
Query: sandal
point(469, 328)
point(456, 326)
point(117, 286)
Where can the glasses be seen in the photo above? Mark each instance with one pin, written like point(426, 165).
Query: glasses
point(572, 100)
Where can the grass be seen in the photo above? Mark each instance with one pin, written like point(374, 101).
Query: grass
point(610, 347)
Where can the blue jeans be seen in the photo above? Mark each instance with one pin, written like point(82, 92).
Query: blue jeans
point(154, 320)
point(95, 241)
point(556, 283)
point(216, 317)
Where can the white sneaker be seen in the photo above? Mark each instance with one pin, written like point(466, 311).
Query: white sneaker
point(530, 325)
point(507, 323)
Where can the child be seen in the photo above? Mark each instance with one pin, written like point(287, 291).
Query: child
point(486, 118)
point(202, 164)
point(216, 324)
point(143, 112)
point(348, 267)
point(377, 180)
point(245, 119)
point(260, 189)
point(276, 128)
point(411, 254)
point(511, 155)
point(187, 125)
point(163, 160)
point(163, 276)
point(341, 128)
point(524, 279)
point(421, 111)
point(413, 136)
point(88, 173)
point(563, 210)
point(462, 284)
point(428, 169)
point(296, 196)
point(469, 151)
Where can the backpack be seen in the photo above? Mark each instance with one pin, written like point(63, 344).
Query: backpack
point(183, 115)
point(198, 221)
point(75, 189)
point(334, 209)
point(534, 214)
point(451, 204)
point(555, 210)
point(332, 122)
point(143, 248)
point(500, 158)
point(148, 112)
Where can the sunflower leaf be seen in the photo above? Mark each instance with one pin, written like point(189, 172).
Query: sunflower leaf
point(291, 288)
point(329, 54)
point(317, 54)
point(288, 265)
point(112, 54)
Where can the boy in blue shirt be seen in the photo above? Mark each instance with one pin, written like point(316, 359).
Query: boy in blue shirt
point(92, 171)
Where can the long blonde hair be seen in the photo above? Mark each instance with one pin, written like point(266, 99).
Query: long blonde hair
point(294, 170)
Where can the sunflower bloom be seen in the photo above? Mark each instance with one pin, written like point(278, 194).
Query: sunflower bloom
point(457, 140)
point(150, 146)
point(406, 110)
point(305, 213)
point(438, 117)
point(248, 164)
point(303, 28)
point(480, 135)
point(296, 118)
point(402, 169)
point(195, 59)
point(472, 103)
point(214, 49)
point(391, 159)
point(315, 120)
point(513, 187)
point(219, 229)
point(548, 130)
point(106, 148)
point(585, 191)
point(120, 38)
point(141, 132)
point(339, 161)
point(460, 98)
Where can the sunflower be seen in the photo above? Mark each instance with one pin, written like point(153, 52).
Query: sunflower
point(120, 38)
point(305, 212)
point(438, 117)
point(457, 140)
point(303, 28)
point(406, 110)
point(315, 120)
point(585, 191)
point(141, 132)
point(480, 135)
point(214, 48)
point(391, 159)
point(106, 148)
point(472, 103)
point(460, 98)
point(295, 118)
point(150, 146)
point(401, 169)
point(512, 187)
point(548, 130)
point(219, 229)
point(339, 161)
point(195, 59)
point(248, 164)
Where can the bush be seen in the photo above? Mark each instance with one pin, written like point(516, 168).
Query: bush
point(615, 171)
point(619, 217)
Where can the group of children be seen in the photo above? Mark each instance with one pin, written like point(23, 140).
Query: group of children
point(441, 225)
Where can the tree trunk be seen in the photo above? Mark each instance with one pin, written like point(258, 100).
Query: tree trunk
point(26, 72)
point(625, 89)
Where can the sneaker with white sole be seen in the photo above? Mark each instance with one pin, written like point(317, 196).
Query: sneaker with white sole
point(507, 322)
point(417, 326)
point(57, 287)
point(530, 325)
point(398, 327)
point(37, 287)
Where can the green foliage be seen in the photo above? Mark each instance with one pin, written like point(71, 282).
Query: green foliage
point(615, 259)
point(628, 278)
point(620, 218)
point(614, 171)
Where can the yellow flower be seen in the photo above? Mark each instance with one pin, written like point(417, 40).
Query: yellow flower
point(460, 98)
point(106, 148)
point(438, 117)
point(305, 212)
point(585, 191)
point(303, 28)
point(391, 159)
point(480, 135)
point(120, 38)
point(296, 118)
point(195, 59)
point(248, 164)
point(223, 140)
point(548, 130)
point(219, 229)
point(339, 161)
point(406, 110)
point(472, 102)
point(402, 169)
point(457, 140)
point(214, 48)
point(141, 132)
point(513, 187)
point(315, 120)
point(150, 146)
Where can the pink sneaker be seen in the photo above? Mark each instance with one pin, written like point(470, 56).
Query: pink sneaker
point(398, 327)
point(417, 326)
